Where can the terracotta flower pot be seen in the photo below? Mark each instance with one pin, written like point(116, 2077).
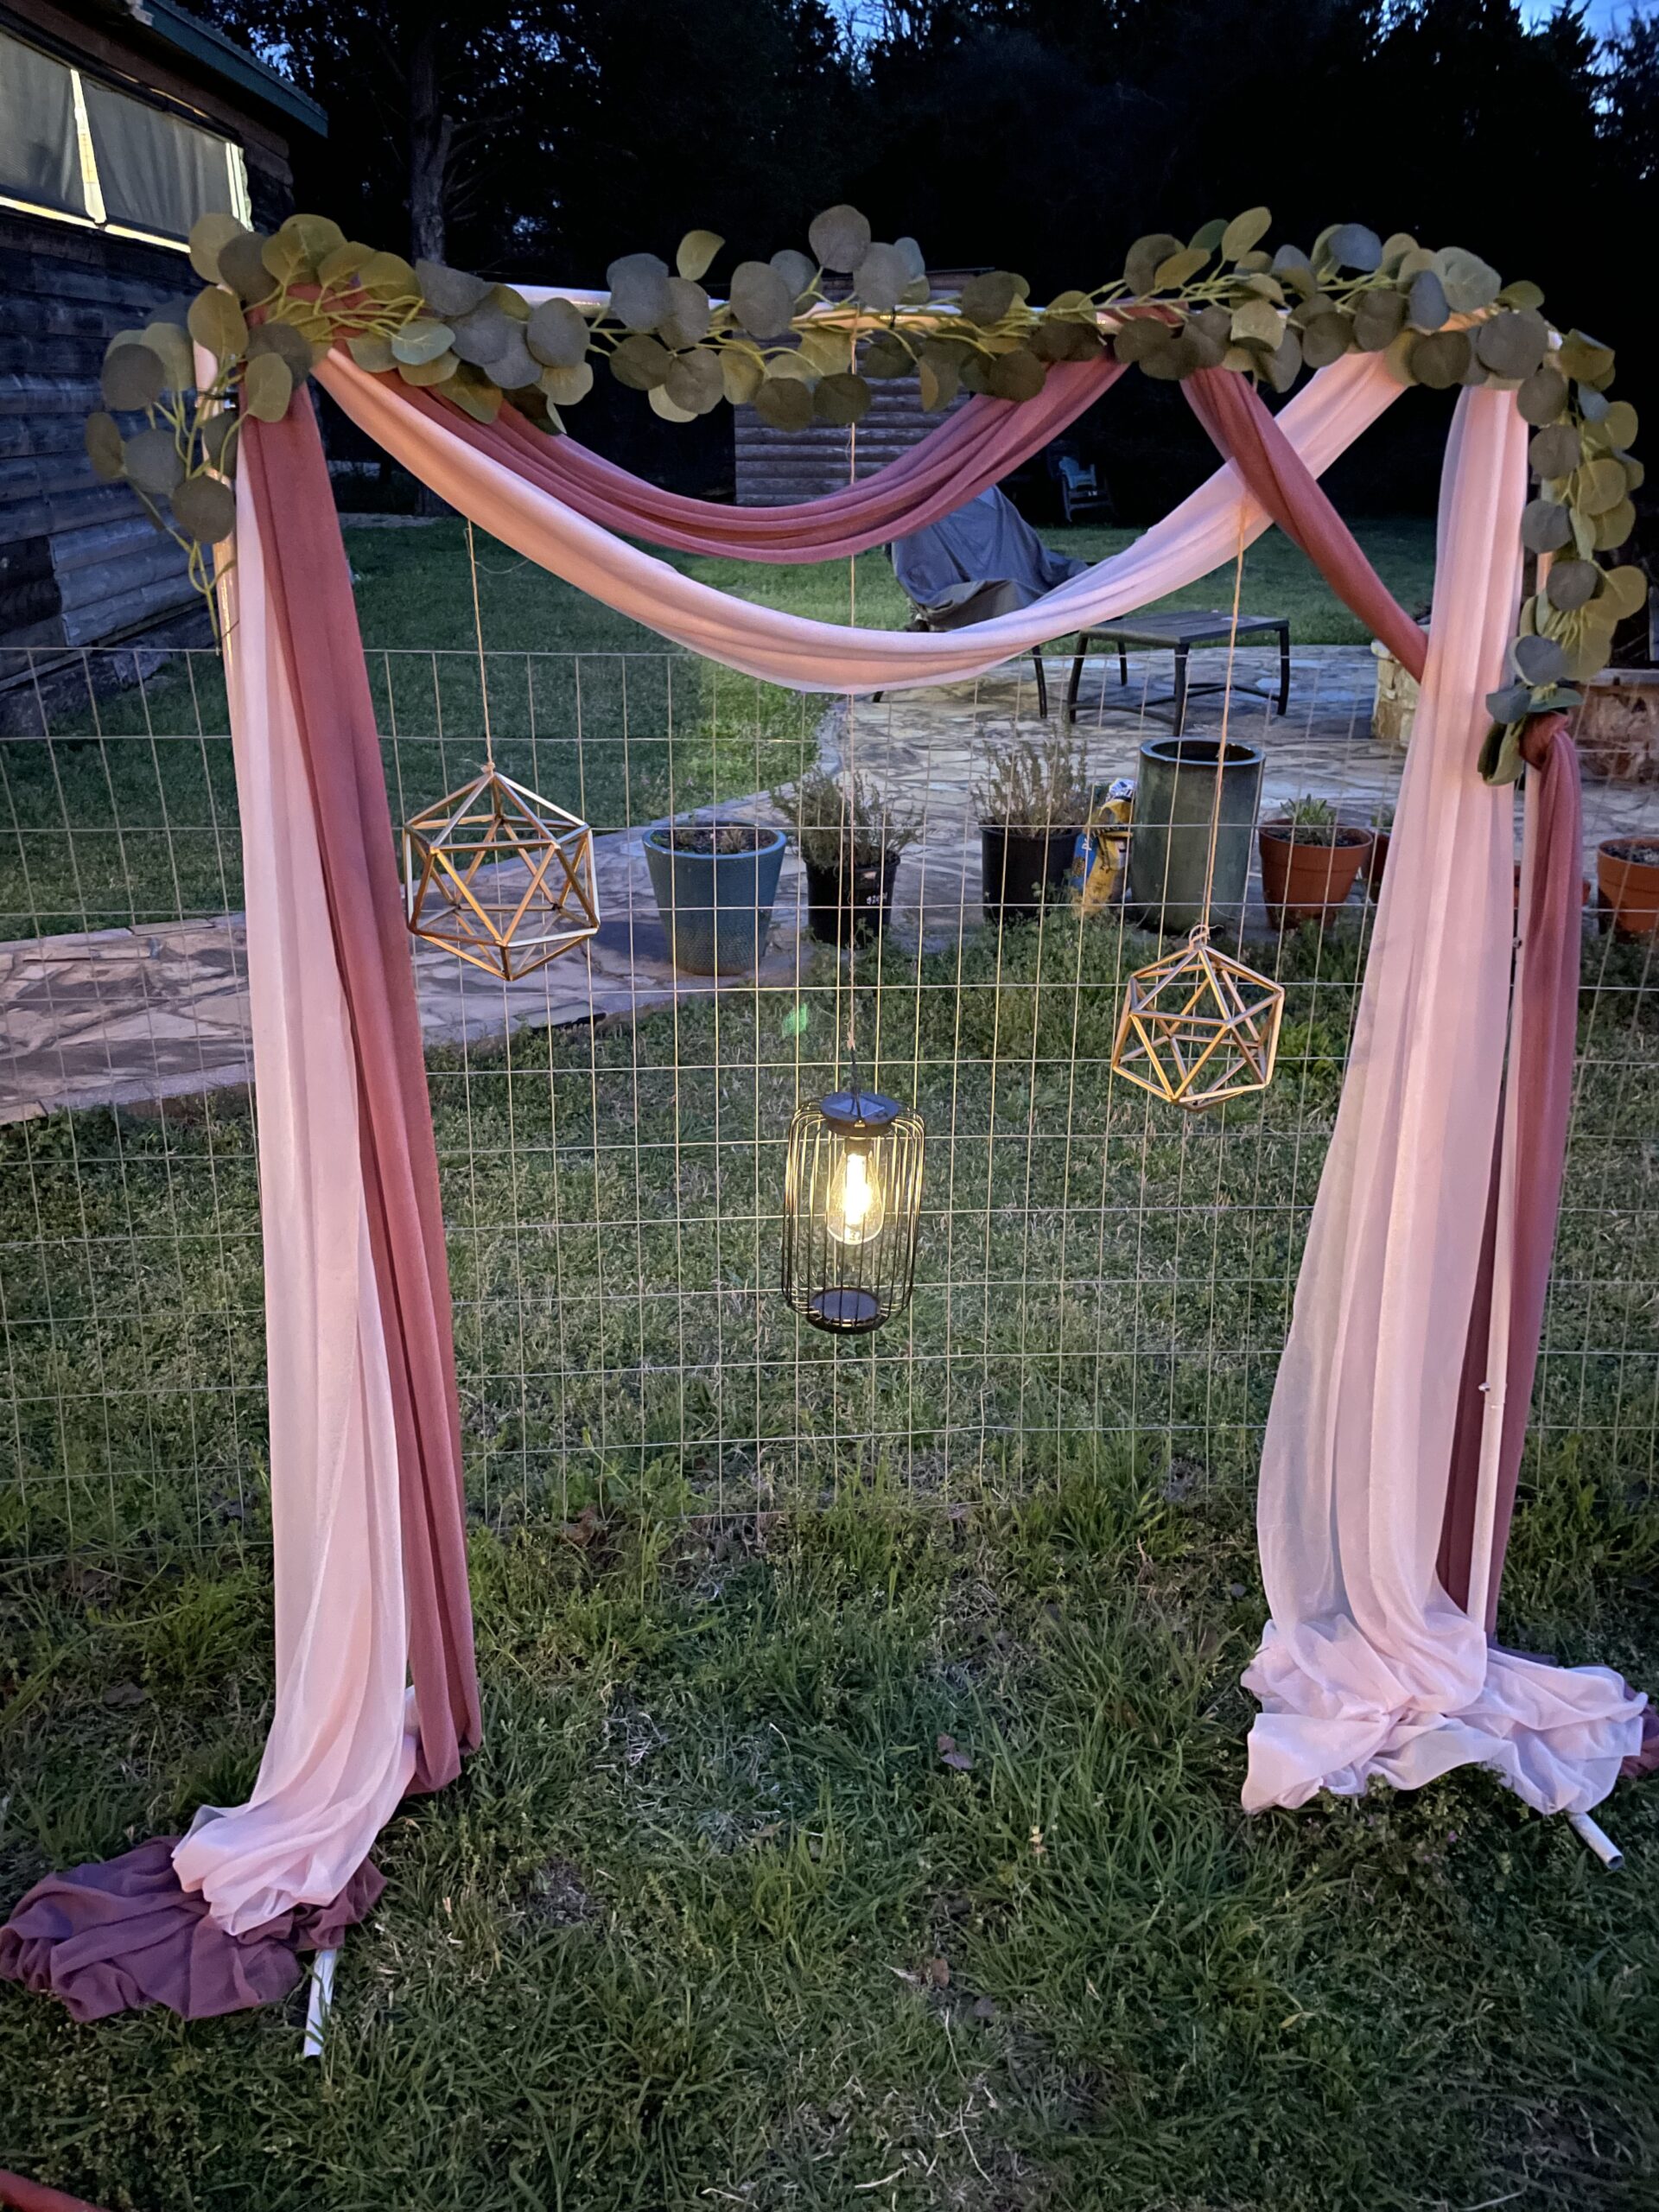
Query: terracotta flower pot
point(1627, 871)
point(1376, 861)
point(1304, 883)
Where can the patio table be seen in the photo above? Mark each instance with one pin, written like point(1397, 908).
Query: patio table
point(1182, 628)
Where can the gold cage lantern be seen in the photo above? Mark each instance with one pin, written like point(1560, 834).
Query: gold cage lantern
point(499, 877)
point(852, 1203)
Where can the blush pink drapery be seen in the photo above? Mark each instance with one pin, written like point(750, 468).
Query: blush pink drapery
point(1368, 1665)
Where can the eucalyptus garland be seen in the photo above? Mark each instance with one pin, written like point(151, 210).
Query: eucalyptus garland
point(801, 337)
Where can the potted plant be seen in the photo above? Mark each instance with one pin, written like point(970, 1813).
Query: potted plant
point(1627, 875)
point(1033, 801)
point(851, 840)
point(1309, 861)
point(714, 882)
point(1376, 859)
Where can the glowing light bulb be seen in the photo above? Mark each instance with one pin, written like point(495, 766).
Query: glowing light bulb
point(855, 1210)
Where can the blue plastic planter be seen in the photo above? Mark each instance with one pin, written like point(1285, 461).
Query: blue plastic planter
point(716, 907)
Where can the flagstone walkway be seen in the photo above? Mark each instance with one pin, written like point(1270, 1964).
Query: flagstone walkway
point(129, 1017)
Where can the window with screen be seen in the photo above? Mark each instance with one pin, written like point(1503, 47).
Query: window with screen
point(73, 146)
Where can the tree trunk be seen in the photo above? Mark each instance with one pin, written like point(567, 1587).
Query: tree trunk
point(430, 131)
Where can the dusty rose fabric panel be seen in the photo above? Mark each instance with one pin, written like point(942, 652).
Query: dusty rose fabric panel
point(467, 464)
point(1540, 1090)
point(1366, 1668)
point(112, 1937)
point(313, 606)
point(1236, 417)
point(967, 453)
point(25, 2196)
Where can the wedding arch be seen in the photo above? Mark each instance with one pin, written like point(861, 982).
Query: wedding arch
point(1393, 1445)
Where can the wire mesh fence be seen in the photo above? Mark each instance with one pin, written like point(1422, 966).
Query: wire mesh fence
point(1097, 1272)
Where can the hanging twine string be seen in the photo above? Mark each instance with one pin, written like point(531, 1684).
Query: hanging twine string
point(478, 638)
point(850, 797)
point(1202, 931)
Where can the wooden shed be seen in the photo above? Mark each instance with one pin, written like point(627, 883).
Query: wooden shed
point(119, 125)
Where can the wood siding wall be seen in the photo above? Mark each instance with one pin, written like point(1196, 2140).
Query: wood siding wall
point(777, 466)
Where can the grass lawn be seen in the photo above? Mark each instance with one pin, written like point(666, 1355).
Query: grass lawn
point(129, 815)
point(709, 1921)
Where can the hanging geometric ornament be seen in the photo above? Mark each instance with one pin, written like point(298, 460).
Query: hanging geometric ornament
point(852, 1202)
point(1197, 1027)
point(501, 877)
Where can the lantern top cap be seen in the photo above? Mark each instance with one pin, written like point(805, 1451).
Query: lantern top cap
point(859, 1109)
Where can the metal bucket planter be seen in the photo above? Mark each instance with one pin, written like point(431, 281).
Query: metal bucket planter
point(716, 907)
point(1169, 837)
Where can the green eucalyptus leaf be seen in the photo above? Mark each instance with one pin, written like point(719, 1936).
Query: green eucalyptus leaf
point(639, 293)
point(839, 238)
point(209, 236)
point(1513, 344)
point(267, 387)
point(741, 375)
point(1352, 245)
point(242, 266)
point(438, 370)
point(420, 341)
point(1140, 336)
point(1554, 451)
point(474, 393)
point(134, 375)
point(1523, 296)
point(204, 509)
point(985, 300)
point(216, 442)
point(1540, 660)
point(372, 352)
point(1619, 424)
point(1291, 266)
point(880, 278)
point(344, 262)
point(939, 374)
point(1614, 527)
point(1512, 704)
point(1145, 258)
point(1426, 307)
point(1469, 282)
point(1585, 361)
point(153, 462)
point(762, 299)
point(641, 363)
point(566, 386)
point(1285, 366)
point(388, 276)
point(1242, 233)
point(1170, 275)
point(1257, 322)
point(557, 334)
point(915, 261)
point(1019, 375)
point(783, 404)
point(1542, 396)
point(1570, 583)
point(1627, 589)
point(695, 382)
point(283, 339)
point(797, 271)
point(1600, 485)
point(662, 402)
point(1326, 338)
point(287, 260)
point(695, 251)
point(173, 345)
point(887, 356)
point(217, 324)
point(1378, 317)
point(104, 447)
point(448, 292)
point(842, 398)
point(482, 335)
point(1395, 247)
point(690, 314)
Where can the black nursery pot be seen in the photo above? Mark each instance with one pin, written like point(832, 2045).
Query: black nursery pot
point(849, 906)
point(1021, 869)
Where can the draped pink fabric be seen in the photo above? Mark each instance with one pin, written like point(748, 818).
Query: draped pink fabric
point(969, 452)
point(1236, 417)
point(315, 618)
point(1538, 1102)
point(1368, 1666)
point(480, 470)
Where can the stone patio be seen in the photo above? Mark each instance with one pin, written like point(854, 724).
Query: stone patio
point(130, 1017)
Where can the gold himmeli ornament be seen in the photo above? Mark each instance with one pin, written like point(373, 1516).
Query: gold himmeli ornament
point(462, 857)
point(464, 892)
point(1198, 1026)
